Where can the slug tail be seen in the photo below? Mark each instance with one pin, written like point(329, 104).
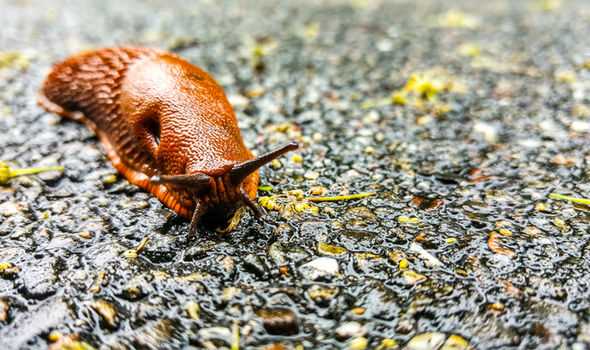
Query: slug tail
point(86, 88)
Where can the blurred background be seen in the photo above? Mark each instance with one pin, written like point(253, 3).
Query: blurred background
point(465, 123)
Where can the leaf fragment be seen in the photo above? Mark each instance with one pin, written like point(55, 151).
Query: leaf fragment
point(557, 196)
point(7, 173)
point(341, 198)
point(496, 247)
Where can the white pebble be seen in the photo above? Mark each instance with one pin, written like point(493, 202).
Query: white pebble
point(580, 126)
point(320, 267)
point(350, 329)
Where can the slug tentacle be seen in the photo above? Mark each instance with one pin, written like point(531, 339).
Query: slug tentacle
point(194, 182)
point(251, 204)
point(240, 171)
point(197, 214)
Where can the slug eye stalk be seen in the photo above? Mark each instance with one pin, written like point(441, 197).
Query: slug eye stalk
point(196, 181)
point(237, 174)
point(240, 171)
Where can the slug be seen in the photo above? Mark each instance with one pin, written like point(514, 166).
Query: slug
point(166, 126)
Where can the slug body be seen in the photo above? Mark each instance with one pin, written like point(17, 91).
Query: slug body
point(165, 124)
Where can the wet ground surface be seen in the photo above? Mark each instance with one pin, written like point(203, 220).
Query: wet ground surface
point(462, 117)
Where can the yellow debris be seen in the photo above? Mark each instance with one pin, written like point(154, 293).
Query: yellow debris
point(330, 249)
point(455, 342)
point(565, 76)
point(387, 344)
point(399, 98)
point(193, 310)
point(494, 245)
point(13, 59)
point(413, 277)
point(8, 268)
point(402, 219)
point(341, 198)
point(456, 19)
point(233, 222)
point(298, 194)
point(311, 30)
point(403, 264)
point(505, 232)
point(297, 159)
point(7, 173)
point(235, 344)
point(469, 50)
point(134, 253)
point(276, 164)
point(560, 224)
point(107, 312)
point(359, 343)
point(558, 196)
point(548, 5)
point(424, 86)
point(451, 240)
point(318, 190)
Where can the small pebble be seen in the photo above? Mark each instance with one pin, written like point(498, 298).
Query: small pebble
point(323, 267)
point(276, 164)
point(318, 191)
point(580, 126)
point(193, 310)
point(311, 175)
point(109, 179)
point(455, 342)
point(359, 343)
point(216, 333)
point(413, 277)
point(9, 208)
point(107, 312)
point(426, 341)
point(85, 234)
point(322, 295)
point(350, 329)
point(4, 309)
point(279, 321)
point(489, 132)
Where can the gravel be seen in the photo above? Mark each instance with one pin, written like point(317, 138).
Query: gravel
point(459, 118)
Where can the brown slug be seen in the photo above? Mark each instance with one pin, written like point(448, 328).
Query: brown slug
point(165, 124)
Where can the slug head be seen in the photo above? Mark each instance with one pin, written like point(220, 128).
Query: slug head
point(218, 197)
